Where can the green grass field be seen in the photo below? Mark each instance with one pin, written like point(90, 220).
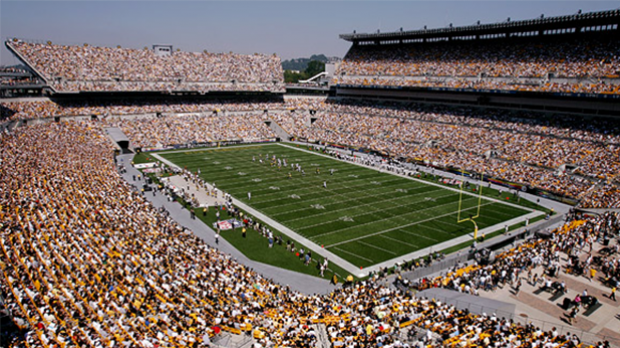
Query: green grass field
point(363, 216)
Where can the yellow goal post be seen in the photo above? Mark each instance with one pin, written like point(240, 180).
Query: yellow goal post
point(459, 218)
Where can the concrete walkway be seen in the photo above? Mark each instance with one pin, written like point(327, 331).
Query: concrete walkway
point(545, 311)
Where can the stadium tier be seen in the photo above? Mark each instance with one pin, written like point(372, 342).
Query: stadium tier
point(568, 56)
point(89, 68)
point(572, 157)
point(88, 258)
point(88, 262)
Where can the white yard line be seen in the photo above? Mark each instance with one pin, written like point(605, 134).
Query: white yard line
point(354, 254)
point(447, 244)
point(416, 235)
point(413, 212)
point(314, 189)
point(412, 178)
point(390, 229)
point(378, 248)
point(352, 269)
point(399, 241)
point(348, 208)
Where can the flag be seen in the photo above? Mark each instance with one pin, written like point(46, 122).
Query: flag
point(223, 225)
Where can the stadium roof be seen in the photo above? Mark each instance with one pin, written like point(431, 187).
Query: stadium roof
point(577, 21)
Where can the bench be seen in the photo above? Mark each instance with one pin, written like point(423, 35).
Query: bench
point(592, 309)
point(556, 296)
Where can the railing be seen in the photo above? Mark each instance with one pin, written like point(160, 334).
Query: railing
point(492, 244)
point(437, 266)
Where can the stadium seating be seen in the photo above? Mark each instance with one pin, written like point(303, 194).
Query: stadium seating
point(520, 65)
point(153, 132)
point(87, 262)
point(528, 149)
point(28, 110)
point(90, 68)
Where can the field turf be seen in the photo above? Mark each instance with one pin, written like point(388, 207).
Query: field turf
point(363, 215)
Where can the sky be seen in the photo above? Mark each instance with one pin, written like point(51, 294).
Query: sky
point(290, 29)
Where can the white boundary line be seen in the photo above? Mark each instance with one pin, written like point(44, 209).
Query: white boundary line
point(352, 269)
point(379, 220)
point(389, 229)
point(412, 178)
point(368, 212)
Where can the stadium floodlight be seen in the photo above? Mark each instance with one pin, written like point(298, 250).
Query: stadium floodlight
point(471, 217)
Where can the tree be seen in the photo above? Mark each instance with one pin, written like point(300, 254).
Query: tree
point(314, 67)
point(291, 77)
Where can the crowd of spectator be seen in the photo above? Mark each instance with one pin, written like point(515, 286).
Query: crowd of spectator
point(599, 86)
point(160, 132)
point(27, 110)
point(534, 150)
point(91, 68)
point(14, 69)
point(568, 155)
point(538, 261)
point(16, 80)
point(530, 65)
point(87, 262)
point(21, 81)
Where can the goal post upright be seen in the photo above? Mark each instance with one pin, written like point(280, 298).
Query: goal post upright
point(471, 217)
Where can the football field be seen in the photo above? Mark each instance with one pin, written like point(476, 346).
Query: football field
point(360, 214)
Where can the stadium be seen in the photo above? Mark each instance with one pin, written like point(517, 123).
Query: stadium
point(445, 187)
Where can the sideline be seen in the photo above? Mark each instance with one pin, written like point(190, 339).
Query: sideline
point(303, 283)
point(348, 266)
